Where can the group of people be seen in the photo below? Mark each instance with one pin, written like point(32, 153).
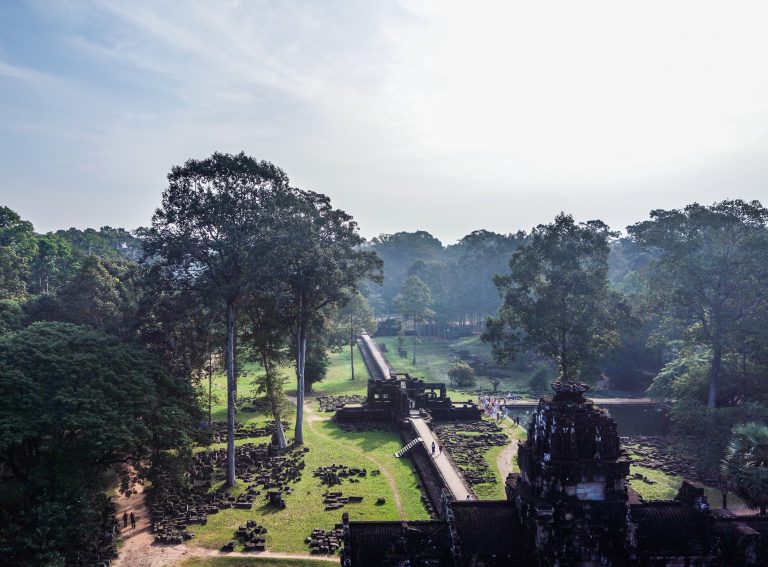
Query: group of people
point(494, 407)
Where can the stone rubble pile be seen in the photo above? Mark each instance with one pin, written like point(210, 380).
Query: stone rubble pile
point(325, 542)
point(243, 431)
point(467, 442)
point(263, 467)
point(656, 452)
point(334, 474)
point(333, 403)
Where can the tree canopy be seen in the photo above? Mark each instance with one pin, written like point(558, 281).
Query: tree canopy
point(556, 298)
point(710, 272)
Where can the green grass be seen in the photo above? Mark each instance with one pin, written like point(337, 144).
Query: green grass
point(666, 486)
point(433, 361)
point(287, 529)
point(338, 381)
point(251, 562)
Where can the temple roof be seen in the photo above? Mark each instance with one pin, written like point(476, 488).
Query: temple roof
point(376, 543)
point(670, 529)
point(488, 528)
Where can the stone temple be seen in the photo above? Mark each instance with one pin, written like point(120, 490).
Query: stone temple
point(568, 506)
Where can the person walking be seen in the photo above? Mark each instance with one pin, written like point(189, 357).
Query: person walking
point(125, 519)
point(433, 447)
point(440, 448)
point(133, 521)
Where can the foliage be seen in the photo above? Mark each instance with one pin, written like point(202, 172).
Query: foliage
point(710, 428)
point(415, 302)
point(398, 252)
point(462, 375)
point(216, 225)
point(683, 377)
point(556, 298)
point(746, 464)
point(18, 247)
point(76, 401)
point(321, 262)
point(11, 316)
point(711, 271)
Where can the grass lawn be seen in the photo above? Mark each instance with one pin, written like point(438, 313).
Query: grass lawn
point(433, 360)
point(251, 562)
point(287, 529)
point(667, 485)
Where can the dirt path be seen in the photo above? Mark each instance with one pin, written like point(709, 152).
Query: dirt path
point(139, 549)
point(312, 418)
point(504, 462)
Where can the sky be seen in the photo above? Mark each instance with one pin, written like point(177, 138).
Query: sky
point(414, 115)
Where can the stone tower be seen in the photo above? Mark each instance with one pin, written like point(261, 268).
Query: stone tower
point(571, 493)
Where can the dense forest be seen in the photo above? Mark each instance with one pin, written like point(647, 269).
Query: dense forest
point(109, 337)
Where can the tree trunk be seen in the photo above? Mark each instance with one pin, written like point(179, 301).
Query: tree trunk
point(352, 346)
point(231, 394)
point(714, 371)
point(210, 390)
point(414, 342)
point(275, 408)
point(298, 437)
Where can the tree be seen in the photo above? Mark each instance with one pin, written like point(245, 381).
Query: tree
point(92, 297)
point(216, 223)
point(556, 298)
point(269, 327)
point(355, 316)
point(18, 246)
point(11, 316)
point(180, 324)
point(326, 263)
point(399, 252)
point(51, 261)
point(745, 465)
point(76, 402)
point(462, 375)
point(414, 302)
point(710, 272)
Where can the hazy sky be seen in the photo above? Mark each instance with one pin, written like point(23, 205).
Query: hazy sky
point(437, 115)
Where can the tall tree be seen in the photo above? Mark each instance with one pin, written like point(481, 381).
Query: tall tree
point(355, 316)
point(414, 302)
point(269, 326)
point(324, 261)
point(18, 246)
point(556, 298)
point(92, 297)
point(52, 260)
point(216, 221)
point(710, 271)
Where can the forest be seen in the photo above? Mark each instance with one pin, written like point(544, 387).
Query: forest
point(111, 338)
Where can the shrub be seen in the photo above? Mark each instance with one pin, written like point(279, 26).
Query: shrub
point(462, 375)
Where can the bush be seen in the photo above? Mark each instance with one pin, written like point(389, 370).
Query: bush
point(462, 375)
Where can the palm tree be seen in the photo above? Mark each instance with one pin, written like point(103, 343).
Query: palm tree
point(746, 464)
